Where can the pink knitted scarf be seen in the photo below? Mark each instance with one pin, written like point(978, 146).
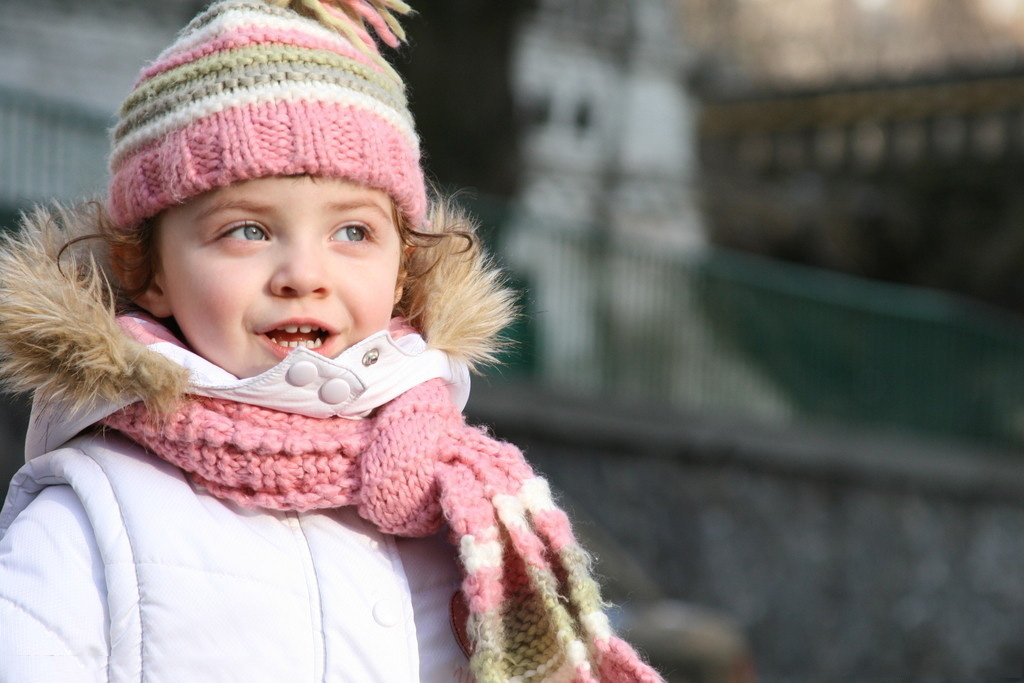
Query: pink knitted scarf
point(535, 611)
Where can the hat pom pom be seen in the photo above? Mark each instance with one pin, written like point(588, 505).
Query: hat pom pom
point(353, 18)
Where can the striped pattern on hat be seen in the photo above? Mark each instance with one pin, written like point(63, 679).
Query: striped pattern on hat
point(251, 90)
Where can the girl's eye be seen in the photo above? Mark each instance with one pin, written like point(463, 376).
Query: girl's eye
point(248, 231)
point(350, 233)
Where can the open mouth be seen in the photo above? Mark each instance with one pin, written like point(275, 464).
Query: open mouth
point(296, 336)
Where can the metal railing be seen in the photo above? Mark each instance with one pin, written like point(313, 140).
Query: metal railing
point(724, 331)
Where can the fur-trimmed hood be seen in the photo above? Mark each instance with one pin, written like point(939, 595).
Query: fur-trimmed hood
point(60, 340)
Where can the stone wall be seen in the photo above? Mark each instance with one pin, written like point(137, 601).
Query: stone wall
point(843, 556)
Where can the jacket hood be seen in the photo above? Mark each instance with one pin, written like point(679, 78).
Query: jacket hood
point(60, 340)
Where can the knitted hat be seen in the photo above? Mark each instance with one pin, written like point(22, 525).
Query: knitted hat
point(254, 88)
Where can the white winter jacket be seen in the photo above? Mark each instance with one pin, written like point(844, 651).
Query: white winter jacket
point(114, 567)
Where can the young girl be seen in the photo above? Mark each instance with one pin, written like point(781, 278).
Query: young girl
point(246, 459)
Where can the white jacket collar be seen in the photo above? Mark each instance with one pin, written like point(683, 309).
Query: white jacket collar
point(364, 377)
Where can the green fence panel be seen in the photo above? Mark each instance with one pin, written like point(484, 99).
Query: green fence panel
point(846, 349)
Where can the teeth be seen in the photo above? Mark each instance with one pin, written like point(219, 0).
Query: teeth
point(305, 329)
point(308, 344)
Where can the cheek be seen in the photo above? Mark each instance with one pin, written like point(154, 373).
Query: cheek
point(381, 302)
point(377, 296)
point(207, 299)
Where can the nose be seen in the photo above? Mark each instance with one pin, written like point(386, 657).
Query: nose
point(300, 270)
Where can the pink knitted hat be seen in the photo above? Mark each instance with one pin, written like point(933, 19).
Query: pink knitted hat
point(254, 88)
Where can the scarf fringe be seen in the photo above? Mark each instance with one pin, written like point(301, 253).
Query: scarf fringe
point(559, 573)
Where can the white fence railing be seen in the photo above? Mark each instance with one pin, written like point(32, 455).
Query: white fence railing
point(49, 150)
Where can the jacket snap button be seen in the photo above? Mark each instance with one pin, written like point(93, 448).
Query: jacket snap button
point(301, 374)
point(335, 391)
point(386, 613)
point(370, 357)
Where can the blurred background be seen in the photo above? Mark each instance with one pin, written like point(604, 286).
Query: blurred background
point(771, 260)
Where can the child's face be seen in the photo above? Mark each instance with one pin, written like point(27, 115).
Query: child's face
point(251, 270)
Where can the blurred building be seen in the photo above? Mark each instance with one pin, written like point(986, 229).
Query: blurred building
point(66, 68)
point(881, 138)
point(608, 140)
point(760, 44)
point(608, 176)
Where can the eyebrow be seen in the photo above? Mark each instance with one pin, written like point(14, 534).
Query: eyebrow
point(358, 204)
point(228, 204)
